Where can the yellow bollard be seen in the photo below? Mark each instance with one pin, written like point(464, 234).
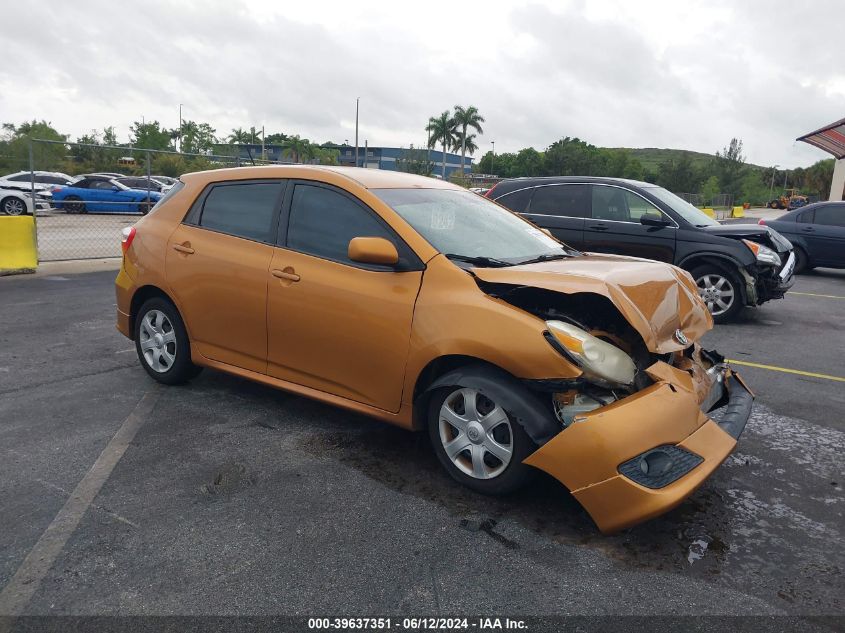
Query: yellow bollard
point(738, 212)
point(710, 212)
point(18, 250)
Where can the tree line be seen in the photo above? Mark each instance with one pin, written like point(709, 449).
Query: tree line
point(726, 172)
point(194, 140)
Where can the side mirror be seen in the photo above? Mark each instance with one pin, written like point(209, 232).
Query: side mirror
point(654, 219)
point(373, 250)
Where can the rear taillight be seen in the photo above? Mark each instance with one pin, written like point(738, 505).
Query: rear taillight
point(761, 222)
point(128, 235)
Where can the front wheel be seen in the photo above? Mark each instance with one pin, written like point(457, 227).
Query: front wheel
point(800, 261)
point(719, 291)
point(162, 343)
point(13, 206)
point(73, 204)
point(477, 442)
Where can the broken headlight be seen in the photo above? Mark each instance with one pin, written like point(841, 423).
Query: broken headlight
point(599, 359)
point(764, 254)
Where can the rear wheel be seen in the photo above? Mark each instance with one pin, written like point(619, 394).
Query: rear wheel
point(162, 343)
point(477, 442)
point(74, 204)
point(719, 290)
point(13, 206)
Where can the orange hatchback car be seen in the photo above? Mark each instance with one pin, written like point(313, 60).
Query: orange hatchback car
point(427, 306)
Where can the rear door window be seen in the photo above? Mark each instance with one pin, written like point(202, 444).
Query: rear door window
point(323, 222)
point(831, 215)
point(564, 200)
point(247, 210)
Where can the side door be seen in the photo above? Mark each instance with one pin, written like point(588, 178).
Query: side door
point(216, 266)
point(827, 236)
point(335, 325)
point(561, 209)
point(614, 225)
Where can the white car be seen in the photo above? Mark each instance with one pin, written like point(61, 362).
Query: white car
point(17, 202)
point(44, 180)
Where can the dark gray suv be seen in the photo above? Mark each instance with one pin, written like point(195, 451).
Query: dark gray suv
point(734, 265)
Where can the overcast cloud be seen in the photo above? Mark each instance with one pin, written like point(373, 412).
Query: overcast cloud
point(636, 74)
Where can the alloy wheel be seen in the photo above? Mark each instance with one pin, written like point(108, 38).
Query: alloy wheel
point(717, 292)
point(14, 206)
point(476, 434)
point(157, 341)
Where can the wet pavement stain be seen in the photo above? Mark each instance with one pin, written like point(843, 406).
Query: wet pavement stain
point(746, 527)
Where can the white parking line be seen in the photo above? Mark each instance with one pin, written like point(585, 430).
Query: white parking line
point(27, 579)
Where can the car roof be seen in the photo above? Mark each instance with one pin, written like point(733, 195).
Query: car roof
point(367, 178)
point(512, 184)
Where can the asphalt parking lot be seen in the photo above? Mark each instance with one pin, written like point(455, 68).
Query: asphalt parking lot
point(233, 498)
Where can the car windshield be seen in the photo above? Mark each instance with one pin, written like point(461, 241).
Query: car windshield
point(691, 214)
point(470, 228)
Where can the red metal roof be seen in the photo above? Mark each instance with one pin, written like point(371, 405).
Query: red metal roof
point(830, 138)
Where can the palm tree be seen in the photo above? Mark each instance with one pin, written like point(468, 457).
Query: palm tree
point(441, 130)
point(239, 135)
point(296, 148)
point(466, 118)
point(466, 144)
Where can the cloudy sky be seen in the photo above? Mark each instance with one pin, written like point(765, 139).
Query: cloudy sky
point(673, 74)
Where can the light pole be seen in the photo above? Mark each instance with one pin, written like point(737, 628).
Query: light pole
point(356, 130)
point(180, 127)
point(493, 157)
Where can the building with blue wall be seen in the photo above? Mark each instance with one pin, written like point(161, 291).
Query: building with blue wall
point(376, 157)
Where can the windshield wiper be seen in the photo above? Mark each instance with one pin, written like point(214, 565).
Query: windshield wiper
point(486, 262)
point(545, 258)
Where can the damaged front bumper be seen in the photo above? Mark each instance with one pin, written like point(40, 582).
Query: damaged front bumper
point(643, 455)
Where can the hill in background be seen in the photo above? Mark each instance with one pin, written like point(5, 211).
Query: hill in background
point(652, 157)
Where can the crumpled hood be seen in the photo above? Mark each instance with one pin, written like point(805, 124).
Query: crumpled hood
point(657, 299)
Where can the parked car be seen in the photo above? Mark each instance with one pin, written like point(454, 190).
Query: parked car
point(15, 202)
point(817, 232)
point(104, 195)
point(733, 265)
point(419, 303)
point(141, 182)
point(167, 180)
point(44, 180)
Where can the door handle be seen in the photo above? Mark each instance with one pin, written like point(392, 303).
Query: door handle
point(286, 274)
point(183, 248)
point(598, 227)
point(808, 229)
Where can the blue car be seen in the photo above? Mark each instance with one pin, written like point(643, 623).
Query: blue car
point(102, 194)
point(817, 232)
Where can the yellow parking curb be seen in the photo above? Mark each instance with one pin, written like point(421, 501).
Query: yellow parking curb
point(18, 250)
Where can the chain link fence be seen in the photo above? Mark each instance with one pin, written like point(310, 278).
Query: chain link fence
point(85, 195)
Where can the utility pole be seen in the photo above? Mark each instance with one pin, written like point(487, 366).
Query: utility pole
point(356, 130)
point(179, 136)
point(493, 157)
point(263, 151)
point(785, 176)
point(772, 186)
point(365, 163)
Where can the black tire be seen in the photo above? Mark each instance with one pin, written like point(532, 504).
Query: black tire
point(73, 204)
point(720, 315)
point(14, 206)
point(801, 261)
point(512, 477)
point(167, 361)
point(774, 204)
